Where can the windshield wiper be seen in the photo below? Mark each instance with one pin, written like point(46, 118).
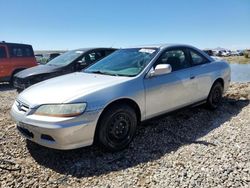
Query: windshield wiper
point(109, 73)
point(105, 73)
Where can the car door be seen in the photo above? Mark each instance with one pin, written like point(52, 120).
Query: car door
point(201, 73)
point(5, 66)
point(170, 91)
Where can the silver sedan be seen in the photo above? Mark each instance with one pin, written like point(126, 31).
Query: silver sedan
point(107, 101)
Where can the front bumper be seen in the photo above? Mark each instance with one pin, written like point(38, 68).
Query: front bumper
point(57, 133)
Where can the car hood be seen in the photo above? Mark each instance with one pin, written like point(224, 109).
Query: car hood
point(40, 69)
point(64, 88)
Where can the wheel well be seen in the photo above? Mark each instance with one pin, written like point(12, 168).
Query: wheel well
point(220, 80)
point(129, 102)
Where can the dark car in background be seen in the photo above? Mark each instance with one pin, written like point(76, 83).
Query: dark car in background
point(71, 61)
point(15, 57)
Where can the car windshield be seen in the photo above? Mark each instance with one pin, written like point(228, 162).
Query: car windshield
point(124, 62)
point(66, 58)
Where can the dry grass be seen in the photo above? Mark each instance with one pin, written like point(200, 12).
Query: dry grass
point(237, 59)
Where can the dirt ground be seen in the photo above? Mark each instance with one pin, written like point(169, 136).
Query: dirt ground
point(194, 147)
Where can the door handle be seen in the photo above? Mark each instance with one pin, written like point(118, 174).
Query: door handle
point(192, 77)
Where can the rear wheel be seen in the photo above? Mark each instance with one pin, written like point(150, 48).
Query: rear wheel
point(215, 96)
point(117, 127)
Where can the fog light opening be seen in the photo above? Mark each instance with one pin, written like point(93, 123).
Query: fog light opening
point(47, 137)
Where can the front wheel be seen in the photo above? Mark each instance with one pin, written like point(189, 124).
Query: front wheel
point(215, 96)
point(117, 127)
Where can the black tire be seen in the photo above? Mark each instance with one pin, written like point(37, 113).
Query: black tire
point(117, 127)
point(215, 96)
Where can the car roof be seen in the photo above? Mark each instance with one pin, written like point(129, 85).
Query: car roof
point(95, 48)
point(163, 46)
point(10, 43)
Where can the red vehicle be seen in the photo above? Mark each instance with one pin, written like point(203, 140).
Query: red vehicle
point(14, 58)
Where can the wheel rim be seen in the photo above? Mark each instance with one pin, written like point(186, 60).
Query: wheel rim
point(119, 128)
point(216, 97)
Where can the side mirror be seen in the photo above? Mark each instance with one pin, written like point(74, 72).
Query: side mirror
point(160, 69)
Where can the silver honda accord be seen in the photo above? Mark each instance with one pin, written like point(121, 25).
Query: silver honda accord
point(106, 101)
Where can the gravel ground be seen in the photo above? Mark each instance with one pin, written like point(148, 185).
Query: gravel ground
point(191, 148)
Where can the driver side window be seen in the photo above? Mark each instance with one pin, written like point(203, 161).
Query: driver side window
point(176, 58)
point(93, 57)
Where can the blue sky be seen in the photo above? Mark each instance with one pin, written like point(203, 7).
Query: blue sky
point(59, 24)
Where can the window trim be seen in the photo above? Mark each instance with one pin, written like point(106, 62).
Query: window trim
point(186, 53)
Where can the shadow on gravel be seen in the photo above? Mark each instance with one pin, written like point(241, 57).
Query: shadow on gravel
point(5, 87)
point(154, 139)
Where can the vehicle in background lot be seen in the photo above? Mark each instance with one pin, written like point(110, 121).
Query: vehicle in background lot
point(45, 58)
point(237, 53)
point(107, 100)
point(39, 58)
point(15, 58)
point(71, 61)
point(209, 52)
point(221, 52)
point(217, 52)
point(225, 53)
point(52, 56)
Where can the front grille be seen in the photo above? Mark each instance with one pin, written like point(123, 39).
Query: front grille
point(22, 107)
point(21, 83)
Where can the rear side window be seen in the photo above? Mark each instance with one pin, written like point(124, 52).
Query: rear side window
point(176, 58)
point(21, 51)
point(197, 59)
point(2, 52)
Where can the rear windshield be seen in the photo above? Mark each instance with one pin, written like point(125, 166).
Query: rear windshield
point(21, 51)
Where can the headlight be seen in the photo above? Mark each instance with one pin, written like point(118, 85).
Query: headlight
point(61, 110)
